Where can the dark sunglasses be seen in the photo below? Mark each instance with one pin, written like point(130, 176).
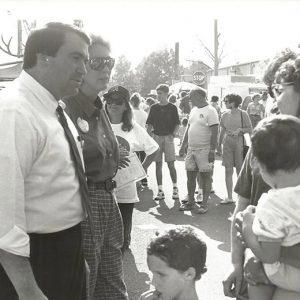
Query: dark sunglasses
point(275, 90)
point(99, 63)
point(117, 101)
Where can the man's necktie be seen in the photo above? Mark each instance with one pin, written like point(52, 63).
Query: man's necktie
point(78, 166)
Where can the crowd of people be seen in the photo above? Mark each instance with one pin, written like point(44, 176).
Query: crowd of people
point(65, 222)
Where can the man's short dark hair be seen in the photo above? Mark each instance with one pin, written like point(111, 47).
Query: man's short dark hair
point(234, 98)
point(214, 99)
point(199, 90)
point(163, 87)
point(180, 249)
point(48, 41)
point(276, 143)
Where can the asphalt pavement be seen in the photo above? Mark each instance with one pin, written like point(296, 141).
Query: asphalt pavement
point(150, 216)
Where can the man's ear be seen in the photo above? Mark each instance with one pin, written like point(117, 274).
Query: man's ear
point(190, 273)
point(42, 59)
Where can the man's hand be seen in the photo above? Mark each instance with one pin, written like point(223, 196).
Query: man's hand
point(123, 160)
point(151, 295)
point(211, 156)
point(233, 284)
point(254, 272)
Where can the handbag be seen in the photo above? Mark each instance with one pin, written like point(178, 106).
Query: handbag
point(245, 146)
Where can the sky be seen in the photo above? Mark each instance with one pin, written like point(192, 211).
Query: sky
point(249, 30)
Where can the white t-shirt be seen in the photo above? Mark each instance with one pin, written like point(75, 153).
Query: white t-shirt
point(200, 120)
point(137, 139)
point(140, 116)
point(277, 218)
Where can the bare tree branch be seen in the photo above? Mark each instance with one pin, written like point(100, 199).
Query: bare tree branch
point(7, 48)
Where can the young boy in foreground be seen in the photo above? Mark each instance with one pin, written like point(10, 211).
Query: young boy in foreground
point(176, 259)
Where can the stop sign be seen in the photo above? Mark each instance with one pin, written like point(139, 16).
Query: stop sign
point(199, 78)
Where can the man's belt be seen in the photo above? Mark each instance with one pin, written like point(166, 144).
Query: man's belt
point(107, 185)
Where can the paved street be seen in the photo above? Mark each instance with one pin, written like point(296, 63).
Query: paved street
point(150, 216)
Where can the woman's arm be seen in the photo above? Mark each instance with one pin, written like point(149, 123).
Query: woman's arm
point(290, 255)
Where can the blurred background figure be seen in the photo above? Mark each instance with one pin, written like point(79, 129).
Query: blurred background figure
point(181, 130)
point(184, 104)
point(149, 101)
point(215, 103)
point(234, 123)
point(139, 115)
point(255, 110)
point(247, 100)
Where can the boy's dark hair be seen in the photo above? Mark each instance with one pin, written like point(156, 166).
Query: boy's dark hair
point(214, 99)
point(276, 143)
point(181, 249)
point(48, 41)
point(234, 98)
point(184, 121)
point(163, 87)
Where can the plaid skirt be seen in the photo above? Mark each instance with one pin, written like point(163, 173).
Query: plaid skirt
point(104, 257)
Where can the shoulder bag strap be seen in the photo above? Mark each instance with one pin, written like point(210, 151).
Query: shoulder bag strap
point(242, 127)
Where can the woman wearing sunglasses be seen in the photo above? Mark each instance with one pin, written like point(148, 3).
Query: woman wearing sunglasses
point(101, 158)
point(133, 138)
point(283, 79)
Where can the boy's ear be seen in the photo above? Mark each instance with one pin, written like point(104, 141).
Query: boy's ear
point(190, 273)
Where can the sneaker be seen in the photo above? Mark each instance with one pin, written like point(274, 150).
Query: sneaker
point(202, 209)
point(199, 198)
point(175, 195)
point(186, 206)
point(227, 201)
point(160, 196)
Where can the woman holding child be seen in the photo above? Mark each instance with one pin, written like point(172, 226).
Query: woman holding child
point(283, 79)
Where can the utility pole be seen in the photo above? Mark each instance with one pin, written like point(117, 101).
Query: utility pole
point(176, 60)
point(216, 48)
point(19, 53)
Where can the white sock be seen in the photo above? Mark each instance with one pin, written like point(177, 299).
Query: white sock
point(160, 188)
point(200, 191)
point(174, 185)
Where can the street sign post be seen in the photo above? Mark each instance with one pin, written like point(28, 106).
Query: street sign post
point(199, 78)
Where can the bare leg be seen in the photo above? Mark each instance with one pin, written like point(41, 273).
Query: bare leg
point(206, 186)
point(199, 181)
point(191, 184)
point(228, 180)
point(261, 292)
point(159, 172)
point(172, 170)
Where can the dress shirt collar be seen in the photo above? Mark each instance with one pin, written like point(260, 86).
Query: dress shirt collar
point(41, 93)
point(87, 106)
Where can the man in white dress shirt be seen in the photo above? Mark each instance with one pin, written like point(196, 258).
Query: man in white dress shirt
point(41, 205)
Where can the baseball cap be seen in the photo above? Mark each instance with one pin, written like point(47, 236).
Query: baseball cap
point(117, 91)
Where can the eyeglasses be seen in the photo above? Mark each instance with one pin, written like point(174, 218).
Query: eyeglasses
point(99, 63)
point(275, 90)
point(116, 101)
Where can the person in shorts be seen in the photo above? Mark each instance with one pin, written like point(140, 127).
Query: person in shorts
point(199, 142)
point(163, 124)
